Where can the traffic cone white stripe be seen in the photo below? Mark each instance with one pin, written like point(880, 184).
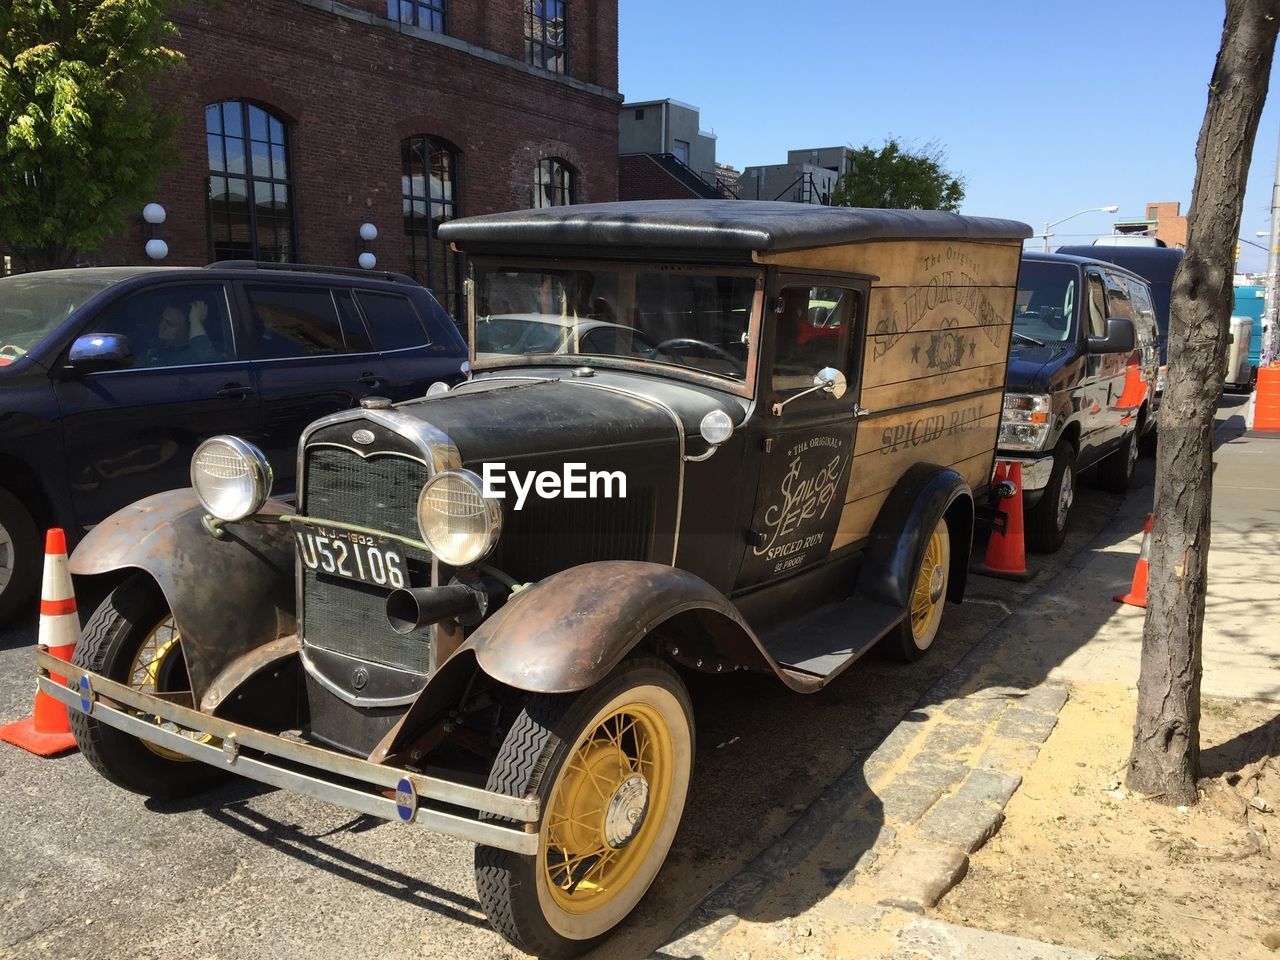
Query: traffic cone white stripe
point(57, 579)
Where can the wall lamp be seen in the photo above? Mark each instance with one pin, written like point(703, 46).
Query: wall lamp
point(153, 215)
point(368, 234)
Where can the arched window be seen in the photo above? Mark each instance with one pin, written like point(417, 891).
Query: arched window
point(429, 185)
point(552, 183)
point(250, 205)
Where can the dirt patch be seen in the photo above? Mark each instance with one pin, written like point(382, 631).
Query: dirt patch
point(1082, 862)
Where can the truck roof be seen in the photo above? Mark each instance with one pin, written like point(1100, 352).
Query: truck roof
point(732, 226)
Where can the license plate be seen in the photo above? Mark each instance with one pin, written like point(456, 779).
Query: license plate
point(356, 556)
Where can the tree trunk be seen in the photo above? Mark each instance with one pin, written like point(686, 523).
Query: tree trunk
point(1166, 737)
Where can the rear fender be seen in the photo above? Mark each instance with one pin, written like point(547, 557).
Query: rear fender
point(567, 632)
point(228, 596)
point(925, 494)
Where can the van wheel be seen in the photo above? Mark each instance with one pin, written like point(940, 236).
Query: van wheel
point(1047, 522)
point(919, 628)
point(19, 557)
point(1115, 473)
point(610, 767)
point(132, 638)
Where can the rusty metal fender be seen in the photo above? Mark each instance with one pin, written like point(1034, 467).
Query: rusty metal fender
point(567, 632)
point(228, 596)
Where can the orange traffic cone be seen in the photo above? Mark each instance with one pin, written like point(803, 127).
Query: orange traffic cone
point(1006, 550)
point(1137, 595)
point(48, 730)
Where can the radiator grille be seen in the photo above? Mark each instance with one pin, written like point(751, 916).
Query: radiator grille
point(380, 492)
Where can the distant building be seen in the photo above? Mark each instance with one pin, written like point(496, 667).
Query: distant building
point(728, 176)
point(663, 152)
point(837, 159)
point(1164, 222)
point(810, 175)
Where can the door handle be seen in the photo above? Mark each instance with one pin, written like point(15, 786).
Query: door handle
point(235, 391)
point(369, 380)
point(860, 412)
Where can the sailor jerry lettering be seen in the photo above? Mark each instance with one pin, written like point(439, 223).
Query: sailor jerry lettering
point(795, 520)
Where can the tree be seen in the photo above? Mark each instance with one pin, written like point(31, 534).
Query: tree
point(1166, 737)
point(81, 142)
point(898, 178)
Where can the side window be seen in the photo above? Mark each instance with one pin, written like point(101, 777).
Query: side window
point(292, 321)
point(1097, 307)
point(393, 321)
point(812, 332)
point(1143, 308)
point(353, 329)
point(1118, 302)
point(172, 325)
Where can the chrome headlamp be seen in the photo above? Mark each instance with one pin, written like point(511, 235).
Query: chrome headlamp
point(1025, 422)
point(456, 520)
point(231, 477)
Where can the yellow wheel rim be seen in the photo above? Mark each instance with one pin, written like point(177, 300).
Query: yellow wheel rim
point(931, 586)
point(145, 669)
point(607, 809)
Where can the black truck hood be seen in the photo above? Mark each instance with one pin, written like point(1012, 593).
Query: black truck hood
point(1032, 368)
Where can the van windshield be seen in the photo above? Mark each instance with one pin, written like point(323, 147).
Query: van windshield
point(654, 314)
point(1046, 304)
point(33, 304)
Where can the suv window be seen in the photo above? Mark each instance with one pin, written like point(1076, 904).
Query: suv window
point(172, 325)
point(293, 321)
point(1118, 302)
point(392, 320)
point(1097, 306)
point(812, 333)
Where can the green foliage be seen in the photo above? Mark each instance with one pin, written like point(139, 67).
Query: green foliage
point(899, 178)
point(81, 142)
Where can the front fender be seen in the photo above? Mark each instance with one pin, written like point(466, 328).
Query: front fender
point(568, 631)
point(228, 596)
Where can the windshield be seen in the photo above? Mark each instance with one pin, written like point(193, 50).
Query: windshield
point(655, 314)
point(1047, 297)
point(33, 304)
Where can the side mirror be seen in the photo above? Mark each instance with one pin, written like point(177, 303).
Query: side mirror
point(1120, 337)
point(99, 351)
point(832, 381)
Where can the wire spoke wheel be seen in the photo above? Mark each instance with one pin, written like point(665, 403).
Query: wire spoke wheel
point(611, 766)
point(919, 627)
point(158, 667)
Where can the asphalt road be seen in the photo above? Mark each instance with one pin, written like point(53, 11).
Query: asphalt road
point(88, 870)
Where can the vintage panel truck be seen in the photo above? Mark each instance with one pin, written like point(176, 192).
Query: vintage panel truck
point(696, 436)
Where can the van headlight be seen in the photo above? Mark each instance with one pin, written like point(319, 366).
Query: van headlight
point(1025, 422)
point(231, 477)
point(456, 520)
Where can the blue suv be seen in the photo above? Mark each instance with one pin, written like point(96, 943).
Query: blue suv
point(111, 376)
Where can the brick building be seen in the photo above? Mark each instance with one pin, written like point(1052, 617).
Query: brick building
point(1164, 221)
point(301, 120)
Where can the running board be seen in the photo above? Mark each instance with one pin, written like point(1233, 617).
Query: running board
point(825, 641)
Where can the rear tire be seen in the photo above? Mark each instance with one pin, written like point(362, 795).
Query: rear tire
point(1115, 473)
point(130, 639)
point(1048, 521)
point(20, 557)
point(914, 636)
point(610, 767)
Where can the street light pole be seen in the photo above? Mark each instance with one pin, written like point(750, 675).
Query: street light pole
point(1047, 225)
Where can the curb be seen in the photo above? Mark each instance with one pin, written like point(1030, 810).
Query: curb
point(951, 827)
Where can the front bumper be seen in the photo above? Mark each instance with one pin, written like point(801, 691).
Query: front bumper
point(1035, 470)
point(347, 781)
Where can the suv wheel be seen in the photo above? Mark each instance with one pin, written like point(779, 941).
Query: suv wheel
point(610, 767)
point(1047, 522)
point(1115, 473)
point(19, 556)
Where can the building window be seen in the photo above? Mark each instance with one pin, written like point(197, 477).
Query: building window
point(429, 186)
point(250, 195)
point(681, 150)
point(427, 14)
point(545, 34)
point(553, 183)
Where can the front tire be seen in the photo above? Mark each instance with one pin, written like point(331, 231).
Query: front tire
point(1047, 522)
point(20, 557)
point(915, 635)
point(132, 638)
point(610, 767)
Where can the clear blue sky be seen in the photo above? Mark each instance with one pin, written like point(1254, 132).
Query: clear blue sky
point(1044, 108)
